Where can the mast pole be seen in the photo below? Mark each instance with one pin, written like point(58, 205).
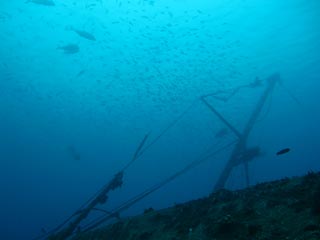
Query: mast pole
point(241, 145)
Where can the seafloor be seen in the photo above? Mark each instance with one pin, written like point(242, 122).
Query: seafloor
point(283, 209)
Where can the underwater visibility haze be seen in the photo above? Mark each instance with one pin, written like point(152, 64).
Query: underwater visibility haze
point(89, 88)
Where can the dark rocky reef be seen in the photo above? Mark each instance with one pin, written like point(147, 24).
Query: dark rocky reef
point(285, 209)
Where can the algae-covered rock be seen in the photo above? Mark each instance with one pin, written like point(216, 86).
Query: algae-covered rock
point(286, 209)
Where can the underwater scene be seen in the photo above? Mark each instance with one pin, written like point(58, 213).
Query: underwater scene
point(159, 119)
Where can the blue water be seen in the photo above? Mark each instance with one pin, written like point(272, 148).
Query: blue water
point(69, 122)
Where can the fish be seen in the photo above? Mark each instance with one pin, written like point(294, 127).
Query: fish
point(256, 83)
point(5, 16)
point(80, 73)
point(248, 155)
point(83, 34)
point(43, 2)
point(150, 2)
point(221, 133)
point(283, 151)
point(73, 153)
point(70, 48)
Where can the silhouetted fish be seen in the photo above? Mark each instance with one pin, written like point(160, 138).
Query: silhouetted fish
point(43, 2)
point(221, 133)
point(74, 153)
point(83, 34)
point(80, 73)
point(70, 48)
point(283, 151)
point(256, 83)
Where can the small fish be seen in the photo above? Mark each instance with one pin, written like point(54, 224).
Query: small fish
point(80, 73)
point(221, 133)
point(4, 16)
point(256, 83)
point(43, 2)
point(73, 153)
point(283, 151)
point(83, 34)
point(70, 48)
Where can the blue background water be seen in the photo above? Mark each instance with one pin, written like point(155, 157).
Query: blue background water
point(150, 62)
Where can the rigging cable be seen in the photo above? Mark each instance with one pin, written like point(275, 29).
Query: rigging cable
point(294, 98)
point(138, 153)
point(98, 221)
point(83, 206)
point(171, 125)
